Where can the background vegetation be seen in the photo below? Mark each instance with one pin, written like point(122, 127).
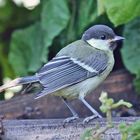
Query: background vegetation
point(29, 38)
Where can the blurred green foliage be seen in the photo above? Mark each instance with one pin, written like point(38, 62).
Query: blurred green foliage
point(131, 49)
point(29, 37)
point(107, 105)
point(130, 132)
point(122, 11)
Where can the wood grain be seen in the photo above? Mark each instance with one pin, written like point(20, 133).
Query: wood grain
point(53, 129)
point(118, 85)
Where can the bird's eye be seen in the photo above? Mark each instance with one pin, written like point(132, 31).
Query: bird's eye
point(103, 37)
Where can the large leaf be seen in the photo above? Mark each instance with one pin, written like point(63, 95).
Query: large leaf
point(81, 17)
point(26, 50)
point(122, 11)
point(131, 49)
point(54, 18)
point(100, 7)
point(87, 14)
point(29, 46)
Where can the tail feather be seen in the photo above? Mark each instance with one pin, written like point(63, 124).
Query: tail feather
point(19, 81)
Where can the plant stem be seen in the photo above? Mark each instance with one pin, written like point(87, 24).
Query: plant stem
point(101, 131)
point(124, 136)
point(109, 118)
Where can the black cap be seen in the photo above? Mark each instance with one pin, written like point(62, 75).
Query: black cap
point(99, 32)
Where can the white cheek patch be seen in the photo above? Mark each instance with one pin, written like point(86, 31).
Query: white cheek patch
point(99, 44)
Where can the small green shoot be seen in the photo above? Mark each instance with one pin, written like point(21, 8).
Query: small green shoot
point(107, 106)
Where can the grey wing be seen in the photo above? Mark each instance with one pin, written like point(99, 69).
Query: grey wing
point(64, 71)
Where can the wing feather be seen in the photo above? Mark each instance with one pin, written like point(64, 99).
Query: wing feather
point(64, 71)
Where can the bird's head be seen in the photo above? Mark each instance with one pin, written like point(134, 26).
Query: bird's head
point(101, 37)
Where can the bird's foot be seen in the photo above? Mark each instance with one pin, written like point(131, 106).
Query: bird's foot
point(88, 119)
point(70, 119)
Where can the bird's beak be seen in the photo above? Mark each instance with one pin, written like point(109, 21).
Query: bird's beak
point(113, 41)
point(117, 38)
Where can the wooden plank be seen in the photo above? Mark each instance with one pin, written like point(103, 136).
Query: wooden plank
point(118, 85)
point(53, 129)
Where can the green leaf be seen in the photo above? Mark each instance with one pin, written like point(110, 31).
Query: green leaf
point(131, 49)
point(87, 135)
point(26, 50)
point(130, 132)
point(29, 46)
point(122, 11)
point(134, 129)
point(87, 14)
point(54, 18)
point(123, 127)
point(5, 14)
point(100, 6)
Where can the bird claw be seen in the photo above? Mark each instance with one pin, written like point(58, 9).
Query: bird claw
point(88, 119)
point(70, 119)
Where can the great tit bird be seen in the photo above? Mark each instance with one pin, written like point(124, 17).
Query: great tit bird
point(77, 69)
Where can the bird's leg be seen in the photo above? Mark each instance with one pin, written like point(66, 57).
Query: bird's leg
point(95, 113)
point(75, 115)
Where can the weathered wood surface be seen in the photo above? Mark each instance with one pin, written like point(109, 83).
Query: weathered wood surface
point(118, 85)
point(54, 129)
